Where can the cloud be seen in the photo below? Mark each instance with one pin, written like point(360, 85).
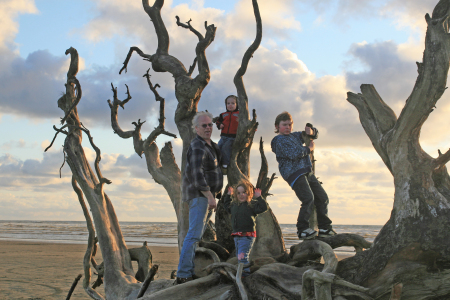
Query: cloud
point(393, 75)
point(409, 14)
point(9, 11)
point(386, 69)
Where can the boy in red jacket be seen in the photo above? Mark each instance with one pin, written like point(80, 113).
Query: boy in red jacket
point(228, 124)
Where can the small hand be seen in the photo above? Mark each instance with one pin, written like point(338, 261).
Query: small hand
point(230, 190)
point(257, 193)
point(221, 126)
point(309, 131)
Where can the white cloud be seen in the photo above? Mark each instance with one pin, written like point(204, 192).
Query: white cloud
point(9, 11)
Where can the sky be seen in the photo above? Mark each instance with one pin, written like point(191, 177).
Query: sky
point(312, 53)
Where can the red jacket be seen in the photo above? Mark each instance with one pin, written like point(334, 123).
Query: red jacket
point(230, 121)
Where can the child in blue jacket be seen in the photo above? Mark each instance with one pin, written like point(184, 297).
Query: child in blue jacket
point(295, 167)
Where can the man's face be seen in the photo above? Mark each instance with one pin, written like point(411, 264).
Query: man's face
point(285, 127)
point(204, 127)
point(231, 104)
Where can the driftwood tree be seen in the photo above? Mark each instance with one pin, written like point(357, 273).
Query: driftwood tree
point(413, 248)
point(188, 90)
point(410, 257)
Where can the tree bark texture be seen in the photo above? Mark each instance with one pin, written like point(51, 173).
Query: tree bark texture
point(417, 231)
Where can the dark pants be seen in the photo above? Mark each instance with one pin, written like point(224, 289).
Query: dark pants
point(310, 192)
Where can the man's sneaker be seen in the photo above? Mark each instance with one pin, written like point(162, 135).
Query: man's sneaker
point(326, 232)
point(307, 234)
point(181, 280)
point(224, 170)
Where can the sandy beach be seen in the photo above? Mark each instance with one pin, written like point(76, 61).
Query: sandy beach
point(38, 270)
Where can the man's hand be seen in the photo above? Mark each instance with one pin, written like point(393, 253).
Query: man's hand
point(211, 200)
point(221, 126)
point(309, 130)
point(212, 203)
point(311, 145)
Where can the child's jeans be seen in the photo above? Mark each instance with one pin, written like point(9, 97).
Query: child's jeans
point(225, 145)
point(310, 192)
point(243, 246)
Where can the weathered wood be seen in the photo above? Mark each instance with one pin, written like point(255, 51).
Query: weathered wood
point(148, 279)
point(143, 256)
point(74, 284)
point(416, 233)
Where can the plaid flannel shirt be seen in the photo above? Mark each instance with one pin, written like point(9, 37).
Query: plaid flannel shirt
point(202, 171)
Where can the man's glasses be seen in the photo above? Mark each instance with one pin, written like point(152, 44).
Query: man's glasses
point(207, 125)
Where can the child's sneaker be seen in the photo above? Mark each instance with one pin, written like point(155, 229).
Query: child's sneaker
point(326, 232)
point(307, 234)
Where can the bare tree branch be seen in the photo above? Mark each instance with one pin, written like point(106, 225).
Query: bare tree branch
point(88, 256)
point(442, 159)
point(72, 288)
point(432, 78)
point(189, 26)
point(56, 134)
point(263, 182)
point(370, 125)
point(98, 158)
point(114, 113)
point(130, 52)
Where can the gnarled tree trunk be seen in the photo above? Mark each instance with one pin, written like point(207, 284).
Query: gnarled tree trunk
point(415, 242)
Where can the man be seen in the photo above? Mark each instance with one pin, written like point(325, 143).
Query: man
point(202, 181)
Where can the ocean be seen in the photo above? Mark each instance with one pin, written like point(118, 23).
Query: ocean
point(135, 233)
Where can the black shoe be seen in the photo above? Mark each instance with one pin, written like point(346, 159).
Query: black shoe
point(326, 232)
point(307, 234)
point(181, 280)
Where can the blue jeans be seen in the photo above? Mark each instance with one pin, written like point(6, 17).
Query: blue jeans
point(243, 246)
point(310, 192)
point(198, 217)
point(225, 145)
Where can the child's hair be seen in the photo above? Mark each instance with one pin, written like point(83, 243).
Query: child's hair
point(235, 98)
point(248, 187)
point(284, 116)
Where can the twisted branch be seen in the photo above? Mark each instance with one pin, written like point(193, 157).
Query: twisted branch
point(56, 134)
point(92, 245)
point(160, 129)
point(130, 52)
point(263, 182)
point(102, 180)
point(75, 81)
point(189, 26)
